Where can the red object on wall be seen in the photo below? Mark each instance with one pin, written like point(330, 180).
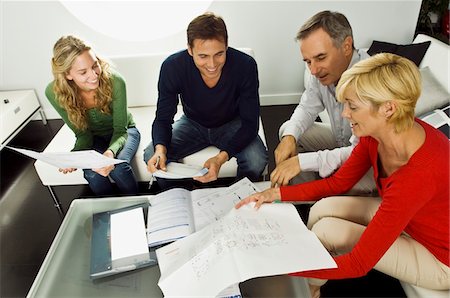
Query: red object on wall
point(445, 23)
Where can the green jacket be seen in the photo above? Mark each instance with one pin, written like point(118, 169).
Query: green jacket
point(100, 124)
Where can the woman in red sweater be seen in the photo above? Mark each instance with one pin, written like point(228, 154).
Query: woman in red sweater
point(403, 233)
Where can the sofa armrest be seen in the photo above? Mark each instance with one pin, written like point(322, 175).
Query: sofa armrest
point(437, 59)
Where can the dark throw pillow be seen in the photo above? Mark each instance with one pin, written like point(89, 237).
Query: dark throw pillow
point(413, 52)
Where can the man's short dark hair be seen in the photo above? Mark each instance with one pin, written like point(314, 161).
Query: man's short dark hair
point(207, 26)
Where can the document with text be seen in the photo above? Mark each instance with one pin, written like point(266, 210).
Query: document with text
point(241, 245)
point(176, 170)
point(85, 159)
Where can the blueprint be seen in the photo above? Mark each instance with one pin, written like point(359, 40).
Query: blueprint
point(243, 244)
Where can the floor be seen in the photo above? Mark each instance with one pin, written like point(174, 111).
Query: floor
point(29, 221)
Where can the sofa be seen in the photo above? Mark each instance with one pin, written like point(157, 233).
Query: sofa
point(141, 73)
point(435, 97)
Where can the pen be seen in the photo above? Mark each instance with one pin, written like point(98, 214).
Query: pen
point(153, 177)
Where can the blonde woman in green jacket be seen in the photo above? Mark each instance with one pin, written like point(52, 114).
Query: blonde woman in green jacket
point(91, 99)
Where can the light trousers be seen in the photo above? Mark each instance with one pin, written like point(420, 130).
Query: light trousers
point(320, 137)
point(339, 222)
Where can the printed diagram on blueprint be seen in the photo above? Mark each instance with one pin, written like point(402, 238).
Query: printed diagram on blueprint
point(210, 205)
point(240, 234)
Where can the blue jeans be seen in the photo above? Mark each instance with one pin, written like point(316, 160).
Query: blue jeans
point(189, 137)
point(122, 174)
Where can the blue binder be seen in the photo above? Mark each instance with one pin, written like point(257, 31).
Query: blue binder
point(101, 262)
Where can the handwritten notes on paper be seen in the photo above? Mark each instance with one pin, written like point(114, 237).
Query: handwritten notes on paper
point(243, 244)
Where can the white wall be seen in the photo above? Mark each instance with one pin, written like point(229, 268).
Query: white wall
point(30, 28)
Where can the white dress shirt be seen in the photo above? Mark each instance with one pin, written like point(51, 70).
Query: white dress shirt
point(314, 100)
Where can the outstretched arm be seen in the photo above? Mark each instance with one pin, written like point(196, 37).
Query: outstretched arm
point(268, 196)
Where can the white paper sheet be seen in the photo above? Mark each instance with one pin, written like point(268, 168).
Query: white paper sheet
point(86, 159)
point(128, 234)
point(243, 244)
point(175, 170)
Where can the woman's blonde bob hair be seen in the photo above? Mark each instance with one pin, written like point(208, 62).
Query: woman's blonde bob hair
point(381, 78)
point(65, 51)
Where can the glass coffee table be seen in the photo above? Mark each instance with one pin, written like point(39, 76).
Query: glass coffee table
point(65, 270)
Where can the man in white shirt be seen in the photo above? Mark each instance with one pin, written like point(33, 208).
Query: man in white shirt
point(326, 44)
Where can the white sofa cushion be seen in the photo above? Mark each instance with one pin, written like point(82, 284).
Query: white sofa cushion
point(437, 58)
point(433, 94)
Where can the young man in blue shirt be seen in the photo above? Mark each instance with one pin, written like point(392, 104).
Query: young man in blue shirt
point(218, 89)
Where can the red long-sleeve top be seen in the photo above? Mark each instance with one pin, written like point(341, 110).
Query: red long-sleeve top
point(415, 199)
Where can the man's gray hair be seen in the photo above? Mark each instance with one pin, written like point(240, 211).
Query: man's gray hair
point(333, 23)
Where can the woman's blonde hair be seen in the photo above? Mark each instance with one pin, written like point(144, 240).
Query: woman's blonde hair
point(65, 51)
point(381, 78)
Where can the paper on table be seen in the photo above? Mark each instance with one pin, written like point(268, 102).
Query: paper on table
point(243, 244)
point(86, 159)
point(128, 228)
point(176, 170)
